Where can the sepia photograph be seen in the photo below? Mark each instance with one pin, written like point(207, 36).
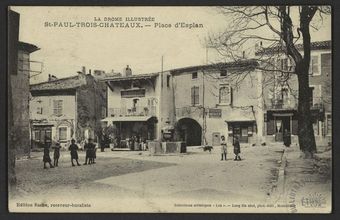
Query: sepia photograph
point(186, 109)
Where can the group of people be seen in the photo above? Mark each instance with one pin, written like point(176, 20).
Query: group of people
point(237, 148)
point(90, 156)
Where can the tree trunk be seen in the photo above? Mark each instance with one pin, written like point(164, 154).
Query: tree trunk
point(305, 126)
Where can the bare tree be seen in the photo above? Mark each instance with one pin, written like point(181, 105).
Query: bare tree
point(285, 32)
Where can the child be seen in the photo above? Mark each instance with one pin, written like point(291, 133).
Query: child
point(46, 157)
point(223, 148)
point(237, 149)
point(89, 147)
point(56, 154)
point(74, 154)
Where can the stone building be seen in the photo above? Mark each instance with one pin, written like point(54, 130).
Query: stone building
point(281, 96)
point(215, 100)
point(66, 108)
point(139, 105)
point(21, 95)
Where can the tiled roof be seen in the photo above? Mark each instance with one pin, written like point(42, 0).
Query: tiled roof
point(27, 47)
point(67, 83)
point(235, 64)
point(317, 45)
point(132, 77)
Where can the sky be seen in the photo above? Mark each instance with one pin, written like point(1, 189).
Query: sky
point(65, 50)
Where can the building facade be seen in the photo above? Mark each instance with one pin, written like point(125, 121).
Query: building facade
point(21, 95)
point(216, 100)
point(139, 105)
point(62, 109)
point(281, 93)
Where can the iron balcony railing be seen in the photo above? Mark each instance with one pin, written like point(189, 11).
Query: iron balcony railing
point(136, 111)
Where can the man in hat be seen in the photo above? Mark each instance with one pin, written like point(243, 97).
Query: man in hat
point(74, 154)
point(237, 149)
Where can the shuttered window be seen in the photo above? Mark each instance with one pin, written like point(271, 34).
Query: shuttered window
point(329, 124)
point(195, 95)
point(225, 94)
point(326, 63)
point(58, 107)
point(314, 66)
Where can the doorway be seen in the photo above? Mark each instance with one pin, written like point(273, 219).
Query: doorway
point(282, 123)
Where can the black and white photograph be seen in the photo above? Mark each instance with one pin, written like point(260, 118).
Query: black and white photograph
point(177, 109)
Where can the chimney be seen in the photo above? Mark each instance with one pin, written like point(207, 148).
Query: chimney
point(83, 69)
point(90, 71)
point(128, 71)
point(51, 78)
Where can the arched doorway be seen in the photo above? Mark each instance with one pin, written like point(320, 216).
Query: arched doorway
point(190, 131)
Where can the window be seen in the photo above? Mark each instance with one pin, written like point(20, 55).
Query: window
point(37, 135)
point(103, 112)
point(314, 65)
point(225, 94)
point(195, 95)
point(62, 133)
point(329, 124)
point(284, 64)
point(168, 80)
point(223, 73)
point(39, 110)
point(194, 75)
point(58, 107)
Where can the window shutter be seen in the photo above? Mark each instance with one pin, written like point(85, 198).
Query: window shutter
point(326, 65)
point(193, 96)
point(270, 127)
point(295, 127)
point(230, 95)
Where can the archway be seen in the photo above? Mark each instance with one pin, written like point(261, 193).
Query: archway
point(190, 131)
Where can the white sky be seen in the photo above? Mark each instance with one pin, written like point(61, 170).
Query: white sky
point(65, 50)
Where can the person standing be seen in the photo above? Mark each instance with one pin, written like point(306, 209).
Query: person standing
point(46, 157)
point(287, 138)
point(74, 154)
point(223, 148)
point(90, 154)
point(237, 149)
point(56, 154)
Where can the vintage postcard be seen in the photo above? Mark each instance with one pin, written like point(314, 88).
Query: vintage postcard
point(170, 109)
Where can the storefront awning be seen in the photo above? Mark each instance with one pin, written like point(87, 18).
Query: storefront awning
point(126, 118)
point(240, 116)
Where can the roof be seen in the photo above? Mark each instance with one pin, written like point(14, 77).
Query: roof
point(67, 83)
point(132, 77)
point(27, 47)
point(246, 63)
point(126, 118)
point(317, 45)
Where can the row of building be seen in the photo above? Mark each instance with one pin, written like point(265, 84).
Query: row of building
point(201, 102)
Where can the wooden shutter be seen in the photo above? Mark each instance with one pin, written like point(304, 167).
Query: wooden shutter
point(295, 126)
point(326, 64)
point(192, 95)
point(270, 127)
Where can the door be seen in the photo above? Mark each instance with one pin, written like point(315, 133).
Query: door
point(278, 130)
point(216, 139)
point(42, 135)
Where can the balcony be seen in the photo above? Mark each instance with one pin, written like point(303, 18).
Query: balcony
point(189, 111)
point(137, 111)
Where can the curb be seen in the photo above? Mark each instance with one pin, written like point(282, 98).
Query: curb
point(279, 188)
